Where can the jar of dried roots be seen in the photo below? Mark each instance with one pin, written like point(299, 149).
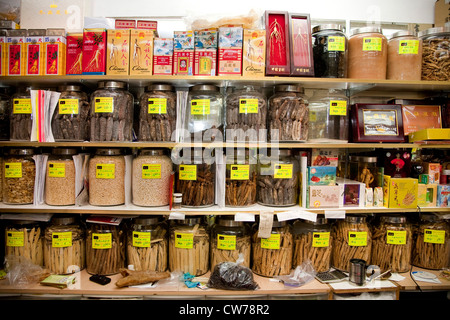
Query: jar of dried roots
point(64, 245)
point(189, 246)
point(436, 53)
point(5, 105)
point(147, 244)
point(25, 241)
point(229, 238)
point(19, 172)
point(21, 114)
point(60, 177)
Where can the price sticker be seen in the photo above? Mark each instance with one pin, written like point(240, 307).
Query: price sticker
point(61, 239)
point(434, 236)
point(320, 239)
point(157, 105)
point(184, 240)
point(101, 240)
point(396, 237)
point(141, 239)
point(408, 47)
point(13, 170)
point(188, 172)
point(336, 43)
point(226, 242)
point(22, 106)
point(357, 238)
point(56, 170)
point(240, 172)
point(151, 171)
point(200, 106)
point(248, 105)
point(372, 44)
point(283, 171)
point(273, 242)
point(68, 106)
point(15, 239)
point(105, 171)
point(338, 108)
point(104, 105)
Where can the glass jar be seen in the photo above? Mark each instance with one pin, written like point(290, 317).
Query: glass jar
point(60, 177)
point(20, 119)
point(329, 51)
point(392, 244)
point(204, 113)
point(105, 248)
point(273, 256)
point(107, 177)
point(313, 242)
point(195, 179)
point(436, 52)
point(19, 174)
point(352, 239)
point(288, 114)
point(151, 174)
point(189, 246)
point(246, 115)
point(404, 60)
point(367, 54)
point(25, 241)
point(5, 105)
point(432, 242)
point(70, 121)
point(278, 179)
point(157, 113)
point(64, 245)
point(147, 244)
point(240, 182)
point(111, 112)
point(328, 116)
point(1, 175)
point(364, 169)
point(229, 238)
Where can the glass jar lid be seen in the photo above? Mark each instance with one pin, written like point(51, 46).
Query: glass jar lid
point(289, 88)
point(328, 26)
point(21, 152)
point(228, 221)
point(64, 151)
point(63, 220)
point(367, 159)
point(151, 152)
point(393, 219)
point(36, 32)
point(160, 87)
point(109, 152)
point(69, 87)
point(403, 33)
point(370, 29)
point(355, 219)
point(319, 221)
point(114, 85)
point(433, 31)
point(146, 220)
point(189, 221)
point(204, 87)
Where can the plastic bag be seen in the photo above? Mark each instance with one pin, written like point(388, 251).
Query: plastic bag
point(301, 275)
point(232, 276)
point(250, 21)
point(22, 272)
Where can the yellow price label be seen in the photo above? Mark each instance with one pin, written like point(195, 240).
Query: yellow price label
point(321, 239)
point(283, 171)
point(240, 172)
point(13, 169)
point(226, 242)
point(101, 240)
point(434, 236)
point(248, 105)
point(408, 47)
point(56, 170)
point(68, 106)
point(200, 106)
point(104, 105)
point(372, 44)
point(141, 239)
point(338, 108)
point(396, 237)
point(15, 239)
point(22, 106)
point(188, 172)
point(151, 171)
point(336, 43)
point(357, 238)
point(273, 242)
point(157, 105)
point(61, 239)
point(184, 240)
point(105, 171)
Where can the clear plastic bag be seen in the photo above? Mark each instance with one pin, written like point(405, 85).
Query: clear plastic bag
point(21, 272)
point(300, 276)
point(232, 276)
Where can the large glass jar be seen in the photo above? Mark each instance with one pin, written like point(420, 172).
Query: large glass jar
point(204, 113)
point(1, 175)
point(288, 114)
point(157, 113)
point(328, 116)
point(432, 242)
point(60, 177)
point(151, 173)
point(273, 256)
point(189, 246)
point(147, 244)
point(313, 242)
point(19, 172)
point(25, 241)
point(278, 179)
point(436, 53)
point(20, 119)
point(70, 121)
point(111, 112)
point(229, 238)
point(364, 169)
point(404, 61)
point(5, 105)
point(195, 179)
point(367, 54)
point(392, 244)
point(329, 51)
point(64, 245)
point(352, 239)
point(105, 248)
point(246, 115)
point(107, 177)
point(240, 182)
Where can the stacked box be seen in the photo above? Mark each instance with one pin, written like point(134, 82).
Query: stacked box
point(34, 44)
point(205, 52)
point(230, 50)
point(163, 56)
point(15, 52)
point(118, 52)
point(400, 192)
point(55, 52)
point(427, 195)
point(443, 195)
point(183, 53)
point(94, 51)
point(74, 54)
point(141, 52)
point(254, 53)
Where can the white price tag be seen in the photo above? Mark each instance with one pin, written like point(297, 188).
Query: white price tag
point(174, 215)
point(306, 215)
point(335, 214)
point(265, 224)
point(287, 215)
point(244, 216)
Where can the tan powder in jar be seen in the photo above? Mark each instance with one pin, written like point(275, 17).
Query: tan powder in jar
point(404, 60)
point(60, 190)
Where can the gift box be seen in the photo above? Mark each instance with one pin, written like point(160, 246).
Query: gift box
point(141, 52)
point(433, 170)
point(324, 196)
point(301, 54)
point(321, 176)
point(94, 51)
point(183, 53)
point(443, 195)
point(427, 195)
point(163, 56)
point(34, 44)
point(15, 52)
point(325, 157)
point(352, 193)
point(74, 54)
point(230, 50)
point(277, 43)
point(55, 52)
point(118, 52)
point(205, 52)
point(254, 55)
point(400, 192)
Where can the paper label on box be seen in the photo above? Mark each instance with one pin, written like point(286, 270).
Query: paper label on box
point(320, 239)
point(434, 236)
point(105, 171)
point(240, 172)
point(372, 44)
point(408, 47)
point(68, 106)
point(157, 105)
point(15, 238)
point(13, 169)
point(56, 170)
point(200, 106)
point(248, 106)
point(184, 240)
point(357, 238)
point(61, 239)
point(283, 171)
point(141, 239)
point(396, 237)
point(336, 43)
point(22, 106)
point(104, 105)
point(101, 240)
point(188, 172)
point(338, 108)
point(226, 242)
point(273, 242)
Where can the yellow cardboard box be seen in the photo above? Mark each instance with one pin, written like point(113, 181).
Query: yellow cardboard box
point(118, 52)
point(427, 195)
point(400, 192)
point(141, 52)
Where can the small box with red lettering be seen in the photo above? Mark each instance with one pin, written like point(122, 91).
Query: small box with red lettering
point(141, 52)
point(205, 52)
point(74, 54)
point(163, 56)
point(183, 53)
point(443, 195)
point(118, 51)
point(94, 51)
point(230, 50)
point(34, 44)
point(55, 52)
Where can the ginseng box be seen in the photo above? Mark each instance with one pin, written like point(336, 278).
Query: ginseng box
point(15, 54)
point(324, 196)
point(141, 52)
point(443, 195)
point(55, 52)
point(254, 53)
point(183, 53)
point(230, 50)
point(94, 51)
point(205, 52)
point(427, 195)
point(74, 53)
point(2, 55)
point(400, 192)
point(118, 52)
point(163, 56)
point(34, 45)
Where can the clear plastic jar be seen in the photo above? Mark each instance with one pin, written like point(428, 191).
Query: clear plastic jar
point(273, 256)
point(147, 244)
point(432, 242)
point(367, 54)
point(151, 178)
point(195, 179)
point(364, 169)
point(278, 179)
point(20, 119)
point(189, 246)
point(313, 242)
point(64, 245)
point(157, 113)
point(404, 61)
point(70, 121)
point(204, 113)
point(25, 241)
point(111, 115)
point(60, 177)
point(246, 115)
point(352, 239)
point(105, 248)
point(240, 182)
point(229, 238)
point(19, 173)
point(328, 116)
point(392, 244)
point(330, 51)
point(107, 177)
point(5, 105)
point(436, 53)
point(288, 114)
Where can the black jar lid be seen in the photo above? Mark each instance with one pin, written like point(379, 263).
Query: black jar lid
point(160, 87)
point(69, 87)
point(109, 152)
point(204, 87)
point(328, 26)
point(20, 151)
point(289, 88)
point(64, 151)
